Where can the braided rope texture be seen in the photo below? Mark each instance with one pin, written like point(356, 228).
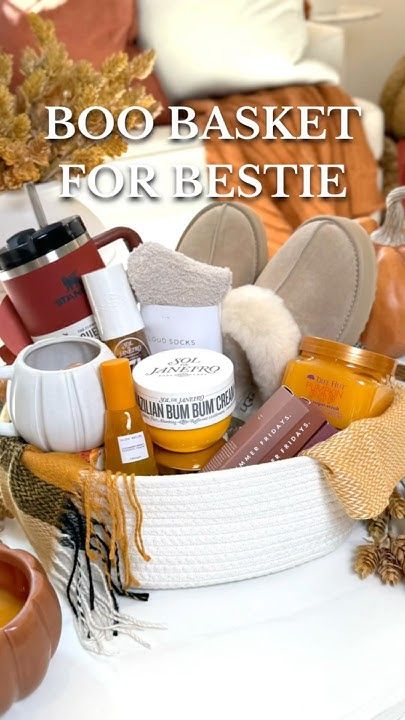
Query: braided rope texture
point(199, 529)
point(235, 524)
point(364, 463)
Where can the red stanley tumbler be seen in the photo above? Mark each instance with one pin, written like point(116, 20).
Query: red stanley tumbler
point(41, 272)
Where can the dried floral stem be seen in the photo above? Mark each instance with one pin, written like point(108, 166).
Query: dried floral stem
point(52, 78)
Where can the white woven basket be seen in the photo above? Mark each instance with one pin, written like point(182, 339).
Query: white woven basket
point(232, 525)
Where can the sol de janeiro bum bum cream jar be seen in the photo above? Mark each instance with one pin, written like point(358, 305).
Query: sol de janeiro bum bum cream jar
point(186, 397)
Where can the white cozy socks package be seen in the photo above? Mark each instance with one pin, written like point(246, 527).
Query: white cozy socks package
point(180, 298)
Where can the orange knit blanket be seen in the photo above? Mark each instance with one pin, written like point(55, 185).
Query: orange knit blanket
point(282, 216)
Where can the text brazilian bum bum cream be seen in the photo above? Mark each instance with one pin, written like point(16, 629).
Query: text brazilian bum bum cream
point(185, 397)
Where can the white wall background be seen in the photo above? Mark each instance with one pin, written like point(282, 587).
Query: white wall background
point(373, 46)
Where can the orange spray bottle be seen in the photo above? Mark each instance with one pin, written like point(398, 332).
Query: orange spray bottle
point(128, 447)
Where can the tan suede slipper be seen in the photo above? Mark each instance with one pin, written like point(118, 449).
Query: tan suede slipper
point(326, 274)
point(228, 234)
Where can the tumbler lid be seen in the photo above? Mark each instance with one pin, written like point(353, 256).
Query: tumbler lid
point(30, 244)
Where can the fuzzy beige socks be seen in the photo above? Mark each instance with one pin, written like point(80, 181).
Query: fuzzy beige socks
point(160, 276)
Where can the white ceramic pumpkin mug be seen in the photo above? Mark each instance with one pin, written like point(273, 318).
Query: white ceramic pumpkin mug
point(54, 397)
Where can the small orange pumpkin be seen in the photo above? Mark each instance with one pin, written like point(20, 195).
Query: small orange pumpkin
point(28, 642)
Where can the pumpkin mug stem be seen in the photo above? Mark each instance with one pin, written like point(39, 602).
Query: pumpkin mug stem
point(392, 232)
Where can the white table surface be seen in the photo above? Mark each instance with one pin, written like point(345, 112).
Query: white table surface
point(310, 643)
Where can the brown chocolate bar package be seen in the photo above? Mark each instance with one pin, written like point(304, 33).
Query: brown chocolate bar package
point(282, 427)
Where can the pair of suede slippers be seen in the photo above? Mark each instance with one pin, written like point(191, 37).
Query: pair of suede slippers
point(322, 282)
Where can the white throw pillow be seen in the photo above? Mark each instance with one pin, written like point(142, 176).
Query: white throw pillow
point(215, 47)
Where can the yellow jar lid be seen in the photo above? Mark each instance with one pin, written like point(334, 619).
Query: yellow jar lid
point(365, 359)
point(186, 462)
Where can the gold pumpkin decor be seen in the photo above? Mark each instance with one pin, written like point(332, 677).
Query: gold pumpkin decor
point(51, 77)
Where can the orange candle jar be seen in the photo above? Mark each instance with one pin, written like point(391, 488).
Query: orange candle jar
point(10, 606)
point(30, 625)
point(347, 383)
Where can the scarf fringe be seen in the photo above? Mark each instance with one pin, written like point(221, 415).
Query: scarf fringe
point(93, 602)
point(103, 505)
point(90, 562)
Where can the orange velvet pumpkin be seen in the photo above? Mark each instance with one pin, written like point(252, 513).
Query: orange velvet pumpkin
point(385, 331)
point(29, 640)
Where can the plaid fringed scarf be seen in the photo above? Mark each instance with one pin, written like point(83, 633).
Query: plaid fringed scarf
point(74, 518)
